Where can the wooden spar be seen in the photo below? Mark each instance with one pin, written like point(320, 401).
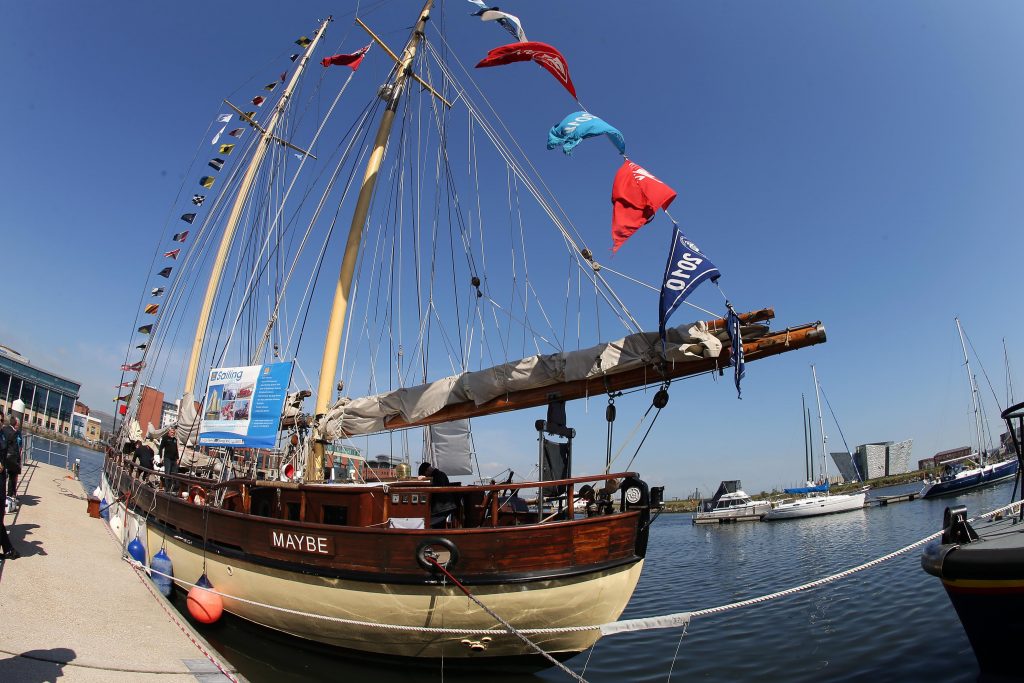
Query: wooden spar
point(236, 211)
point(336, 322)
point(770, 345)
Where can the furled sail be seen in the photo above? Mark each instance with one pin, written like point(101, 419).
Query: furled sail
point(820, 488)
point(350, 417)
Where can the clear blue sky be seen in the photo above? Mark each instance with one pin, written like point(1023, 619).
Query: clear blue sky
point(858, 163)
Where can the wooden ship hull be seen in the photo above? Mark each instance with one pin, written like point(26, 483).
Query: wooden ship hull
point(352, 586)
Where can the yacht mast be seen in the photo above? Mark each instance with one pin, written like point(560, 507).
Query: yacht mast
point(821, 426)
point(974, 394)
point(1009, 376)
point(336, 322)
point(807, 442)
point(236, 209)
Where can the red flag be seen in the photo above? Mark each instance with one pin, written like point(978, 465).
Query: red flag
point(173, 254)
point(237, 132)
point(636, 196)
point(351, 60)
point(284, 74)
point(545, 55)
point(259, 100)
point(122, 410)
point(133, 367)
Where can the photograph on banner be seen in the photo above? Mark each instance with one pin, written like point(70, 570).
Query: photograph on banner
point(243, 405)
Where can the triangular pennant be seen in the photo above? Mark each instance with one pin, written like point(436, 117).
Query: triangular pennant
point(293, 57)
point(166, 272)
point(207, 181)
point(227, 149)
point(223, 118)
point(180, 236)
point(188, 217)
point(270, 86)
point(220, 132)
point(142, 346)
point(173, 254)
point(146, 329)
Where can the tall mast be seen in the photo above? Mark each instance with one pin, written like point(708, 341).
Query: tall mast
point(332, 345)
point(1009, 376)
point(807, 452)
point(236, 210)
point(810, 447)
point(821, 426)
point(974, 394)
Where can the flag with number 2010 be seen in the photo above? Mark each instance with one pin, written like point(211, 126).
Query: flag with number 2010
point(687, 267)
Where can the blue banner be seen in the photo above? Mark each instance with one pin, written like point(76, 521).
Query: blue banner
point(736, 357)
point(243, 405)
point(686, 268)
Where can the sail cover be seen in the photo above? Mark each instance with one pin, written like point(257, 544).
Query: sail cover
point(820, 488)
point(449, 448)
point(366, 415)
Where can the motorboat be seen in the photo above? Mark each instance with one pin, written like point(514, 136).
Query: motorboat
point(730, 504)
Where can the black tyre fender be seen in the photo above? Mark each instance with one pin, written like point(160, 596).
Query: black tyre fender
point(426, 546)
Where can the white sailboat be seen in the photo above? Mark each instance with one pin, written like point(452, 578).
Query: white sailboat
point(816, 500)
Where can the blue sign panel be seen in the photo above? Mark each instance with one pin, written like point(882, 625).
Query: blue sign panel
point(243, 405)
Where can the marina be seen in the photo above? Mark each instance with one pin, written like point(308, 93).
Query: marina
point(402, 340)
point(845, 628)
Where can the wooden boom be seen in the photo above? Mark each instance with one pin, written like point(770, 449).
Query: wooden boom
point(771, 344)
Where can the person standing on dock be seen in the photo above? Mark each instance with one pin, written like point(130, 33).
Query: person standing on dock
point(7, 548)
point(169, 454)
point(12, 455)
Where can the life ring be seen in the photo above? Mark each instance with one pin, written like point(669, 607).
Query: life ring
point(426, 547)
point(196, 490)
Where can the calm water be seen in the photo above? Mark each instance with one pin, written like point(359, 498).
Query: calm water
point(893, 622)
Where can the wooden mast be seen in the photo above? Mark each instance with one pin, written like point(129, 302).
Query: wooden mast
point(332, 345)
point(236, 210)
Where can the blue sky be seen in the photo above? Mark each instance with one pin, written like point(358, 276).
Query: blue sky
point(858, 163)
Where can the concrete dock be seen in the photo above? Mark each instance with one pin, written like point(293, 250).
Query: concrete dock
point(72, 609)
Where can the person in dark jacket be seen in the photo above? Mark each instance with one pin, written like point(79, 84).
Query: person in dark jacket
point(441, 504)
point(7, 548)
point(169, 454)
point(12, 454)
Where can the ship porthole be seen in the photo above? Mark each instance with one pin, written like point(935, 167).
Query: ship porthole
point(441, 550)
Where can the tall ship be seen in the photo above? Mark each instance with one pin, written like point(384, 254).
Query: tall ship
point(462, 290)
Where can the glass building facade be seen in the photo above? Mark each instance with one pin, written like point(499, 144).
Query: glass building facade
point(49, 399)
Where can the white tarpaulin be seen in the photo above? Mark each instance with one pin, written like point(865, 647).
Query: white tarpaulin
point(449, 448)
point(348, 417)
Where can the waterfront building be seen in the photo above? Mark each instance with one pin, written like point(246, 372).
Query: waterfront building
point(170, 413)
point(874, 460)
point(49, 398)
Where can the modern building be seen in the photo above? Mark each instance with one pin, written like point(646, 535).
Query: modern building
point(170, 413)
point(49, 398)
point(874, 460)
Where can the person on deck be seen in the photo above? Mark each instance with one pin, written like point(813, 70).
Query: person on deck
point(441, 504)
point(169, 454)
point(143, 454)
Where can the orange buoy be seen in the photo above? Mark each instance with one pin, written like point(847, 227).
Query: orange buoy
point(204, 605)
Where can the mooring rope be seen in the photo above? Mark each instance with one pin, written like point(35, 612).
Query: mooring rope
point(673, 620)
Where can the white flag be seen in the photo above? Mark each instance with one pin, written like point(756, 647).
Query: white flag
point(217, 136)
point(224, 118)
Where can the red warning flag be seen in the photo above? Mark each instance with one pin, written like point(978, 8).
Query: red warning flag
point(545, 55)
point(351, 60)
point(636, 196)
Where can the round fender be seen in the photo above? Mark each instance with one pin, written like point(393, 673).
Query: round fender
point(196, 490)
point(440, 549)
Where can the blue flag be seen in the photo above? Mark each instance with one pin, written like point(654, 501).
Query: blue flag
point(686, 268)
point(732, 323)
point(578, 126)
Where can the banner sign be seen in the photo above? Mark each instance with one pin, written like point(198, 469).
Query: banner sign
point(243, 405)
point(686, 268)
